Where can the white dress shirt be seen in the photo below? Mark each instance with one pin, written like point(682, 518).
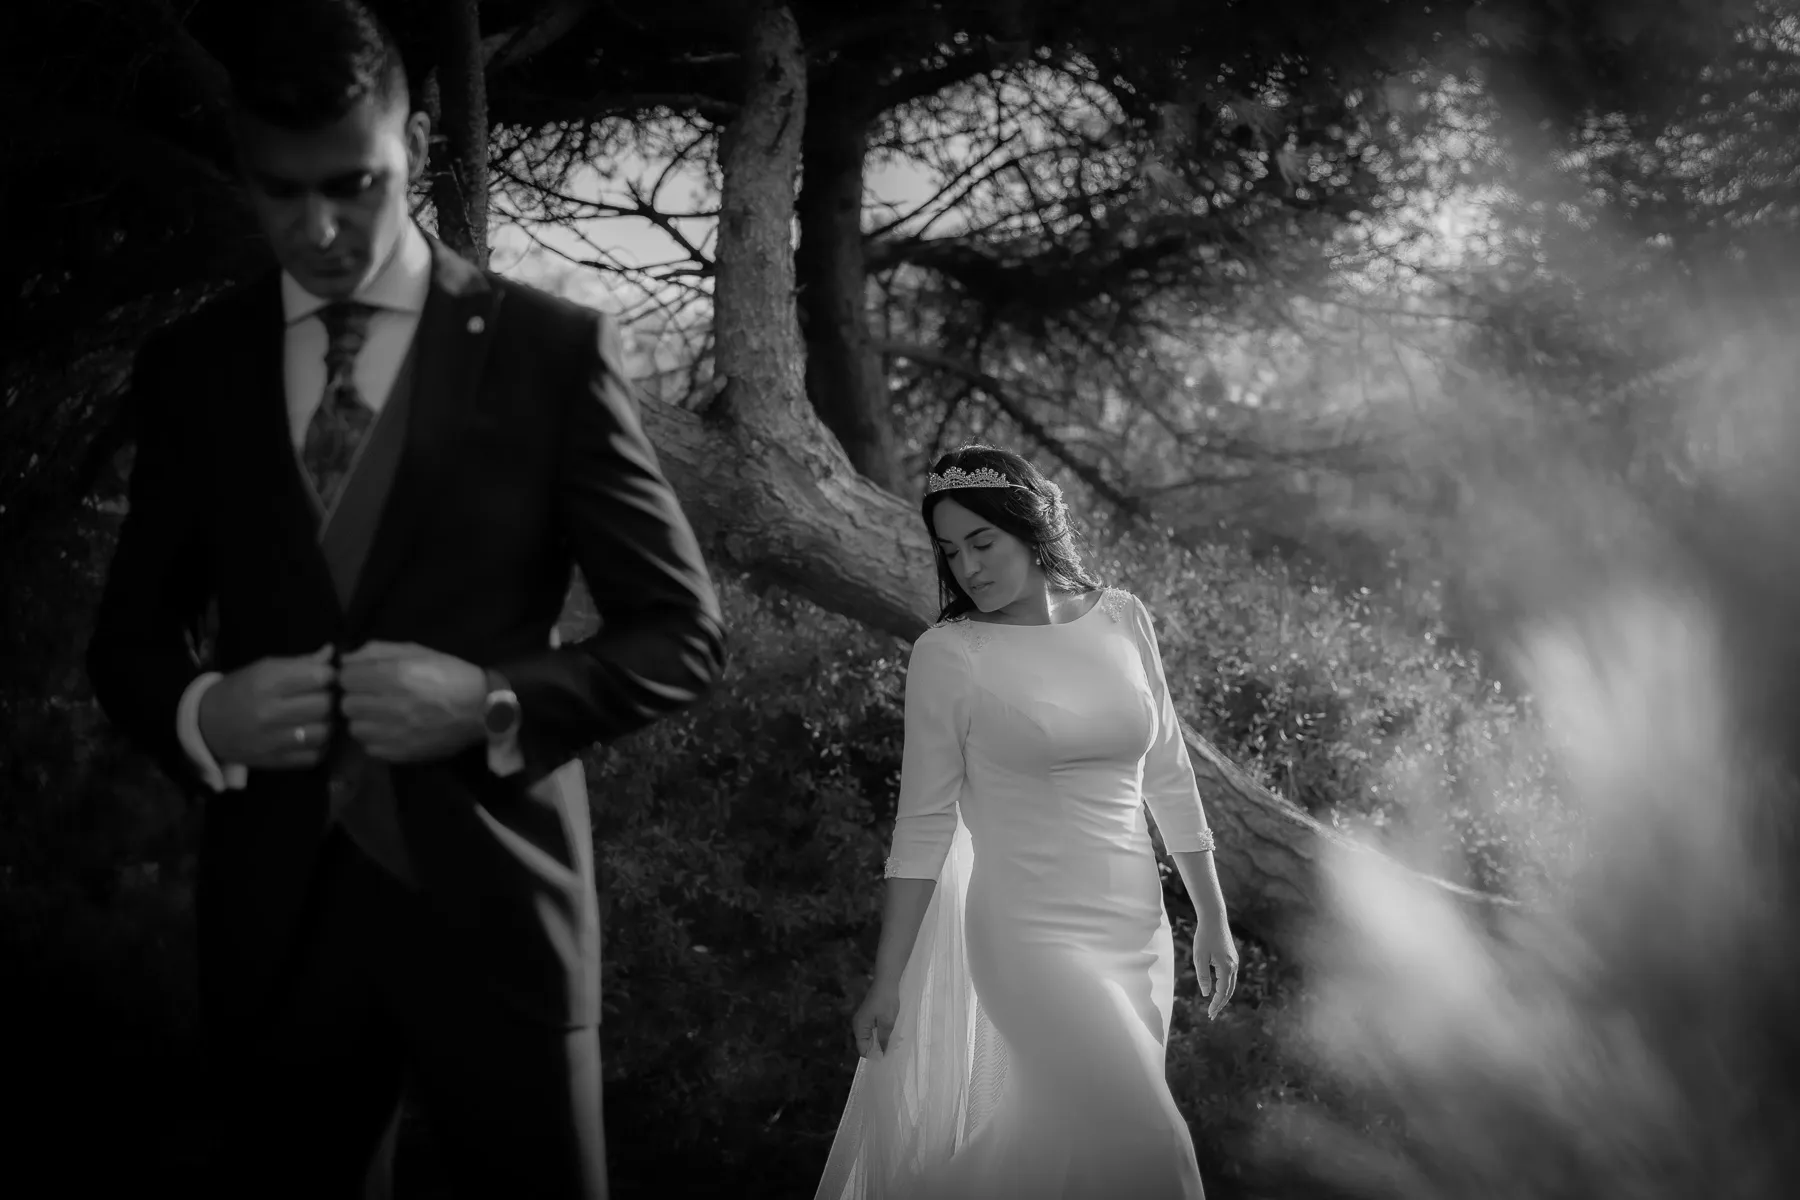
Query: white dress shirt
point(397, 293)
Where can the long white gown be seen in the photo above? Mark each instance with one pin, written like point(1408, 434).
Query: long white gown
point(1028, 1058)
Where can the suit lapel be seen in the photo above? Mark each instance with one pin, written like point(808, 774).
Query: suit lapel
point(451, 346)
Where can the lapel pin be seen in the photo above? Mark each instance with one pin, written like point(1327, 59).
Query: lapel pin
point(476, 324)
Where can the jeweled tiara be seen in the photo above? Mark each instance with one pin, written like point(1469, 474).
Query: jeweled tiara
point(956, 477)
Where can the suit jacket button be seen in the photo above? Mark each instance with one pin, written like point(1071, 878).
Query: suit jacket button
point(476, 324)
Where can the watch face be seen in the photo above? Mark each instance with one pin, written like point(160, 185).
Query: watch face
point(502, 715)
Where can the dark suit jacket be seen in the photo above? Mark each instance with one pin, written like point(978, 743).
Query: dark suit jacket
point(523, 457)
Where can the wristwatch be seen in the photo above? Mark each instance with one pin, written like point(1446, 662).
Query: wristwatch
point(500, 711)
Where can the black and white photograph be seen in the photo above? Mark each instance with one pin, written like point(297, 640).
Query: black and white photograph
point(904, 600)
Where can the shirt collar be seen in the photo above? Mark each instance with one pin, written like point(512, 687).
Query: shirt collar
point(401, 285)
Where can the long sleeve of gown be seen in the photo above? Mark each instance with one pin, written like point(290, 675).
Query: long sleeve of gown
point(1169, 787)
point(931, 764)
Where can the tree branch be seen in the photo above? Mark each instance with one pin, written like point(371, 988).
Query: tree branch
point(997, 391)
point(954, 189)
point(542, 111)
point(640, 208)
point(530, 38)
point(929, 81)
point(210, 79)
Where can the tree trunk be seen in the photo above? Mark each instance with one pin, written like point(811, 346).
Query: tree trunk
point(761, 477)
point(771, 492)
point(459, 180)
point(1270, 851)
point(844, 377)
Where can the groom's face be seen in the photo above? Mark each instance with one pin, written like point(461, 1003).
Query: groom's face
point(333, 201)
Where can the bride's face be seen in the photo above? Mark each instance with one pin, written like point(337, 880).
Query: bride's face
point(992, 566)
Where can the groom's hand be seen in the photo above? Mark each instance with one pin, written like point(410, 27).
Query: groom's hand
point(274, 714)
point(406, 703)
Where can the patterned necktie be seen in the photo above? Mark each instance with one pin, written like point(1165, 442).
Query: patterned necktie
point(342, 418)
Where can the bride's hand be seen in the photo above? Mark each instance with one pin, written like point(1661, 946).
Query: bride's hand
point(874, 1019)
point(1215, 960)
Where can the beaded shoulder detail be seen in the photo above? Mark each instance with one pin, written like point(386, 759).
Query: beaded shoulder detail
point(1116, 602)
point(974, 634)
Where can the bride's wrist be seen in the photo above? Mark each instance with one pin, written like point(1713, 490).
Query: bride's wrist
point(1209, 905)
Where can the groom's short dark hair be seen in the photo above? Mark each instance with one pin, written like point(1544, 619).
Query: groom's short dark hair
point(305, 63)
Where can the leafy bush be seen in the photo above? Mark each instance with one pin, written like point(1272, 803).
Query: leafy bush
point(1333, 702)
point(740, 850)
point(95, 910)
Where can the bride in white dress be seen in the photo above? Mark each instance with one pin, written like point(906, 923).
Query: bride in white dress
point(1013, 1036)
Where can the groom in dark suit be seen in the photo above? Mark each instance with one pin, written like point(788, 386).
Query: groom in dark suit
point(376, 468)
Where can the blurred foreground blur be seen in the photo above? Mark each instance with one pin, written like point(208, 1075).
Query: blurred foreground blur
point(1633, 1033)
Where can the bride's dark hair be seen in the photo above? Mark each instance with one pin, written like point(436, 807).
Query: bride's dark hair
point(1032, 510)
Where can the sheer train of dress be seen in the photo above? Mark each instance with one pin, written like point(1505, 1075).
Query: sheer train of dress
point(1027, 1060)
point(944, 1070)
